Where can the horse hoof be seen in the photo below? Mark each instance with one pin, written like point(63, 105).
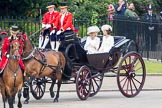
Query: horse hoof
point(26, 102)
point(19, 106)
point(55, 100)
point(52, 94)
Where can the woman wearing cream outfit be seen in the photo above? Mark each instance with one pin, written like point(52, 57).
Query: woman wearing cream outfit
point(108, 40)
point(92, 42)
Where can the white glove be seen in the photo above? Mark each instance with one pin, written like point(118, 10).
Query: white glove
point(43, 25)
point(58, 32)
point(7, 55)
point(52, 32)
point(48, 26)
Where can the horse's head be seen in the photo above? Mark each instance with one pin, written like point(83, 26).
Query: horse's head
point(15, 49)
point(28, 46)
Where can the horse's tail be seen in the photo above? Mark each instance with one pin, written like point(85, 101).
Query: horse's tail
point(62, 60)
point(66, 75)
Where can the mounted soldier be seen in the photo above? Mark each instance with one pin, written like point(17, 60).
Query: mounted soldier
point(14, 30)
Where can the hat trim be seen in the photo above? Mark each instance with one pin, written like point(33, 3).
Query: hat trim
point(50, 6)
point(92, 31)
point(63, 7)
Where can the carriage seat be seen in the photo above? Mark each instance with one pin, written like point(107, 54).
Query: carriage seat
point(119, 41)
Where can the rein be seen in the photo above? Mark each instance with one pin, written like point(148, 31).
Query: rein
point(44, 64)
point(30, 55)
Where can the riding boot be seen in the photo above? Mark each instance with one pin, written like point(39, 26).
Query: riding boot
point(40, 41)
point(45, 42)
point(53, 45)
point(57, 45)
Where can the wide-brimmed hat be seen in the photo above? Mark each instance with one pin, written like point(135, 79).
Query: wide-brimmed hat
point(14, 29)
point(92, 29)
point(50, 4)
point(106, 27)
point(63, 5)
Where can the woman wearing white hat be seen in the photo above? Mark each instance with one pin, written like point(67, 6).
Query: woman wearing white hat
point(92, 42)
point(108, 40)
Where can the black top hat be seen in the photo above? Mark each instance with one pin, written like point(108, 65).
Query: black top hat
point(50, 4)
point(63, 4)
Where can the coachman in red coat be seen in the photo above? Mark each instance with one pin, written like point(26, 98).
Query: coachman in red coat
point(5, 47)
point(48, 19)
point(63, 23)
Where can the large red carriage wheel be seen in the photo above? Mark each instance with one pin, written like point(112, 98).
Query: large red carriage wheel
point(83, 82)
point(97, 79)
point(131, 74)
point(37, 87)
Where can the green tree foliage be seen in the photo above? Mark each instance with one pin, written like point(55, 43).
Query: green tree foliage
point(92, 10)
point(158, 5)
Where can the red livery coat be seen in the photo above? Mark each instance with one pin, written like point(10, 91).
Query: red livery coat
point(67, 22)
point(50, 18)
point(5, 50)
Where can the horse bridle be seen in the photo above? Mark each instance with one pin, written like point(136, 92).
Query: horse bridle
point(13, 56)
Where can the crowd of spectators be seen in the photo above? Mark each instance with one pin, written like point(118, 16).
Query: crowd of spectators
point(151, 25)
point(124, 8)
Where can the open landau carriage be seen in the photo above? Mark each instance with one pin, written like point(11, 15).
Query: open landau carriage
point(88, 70)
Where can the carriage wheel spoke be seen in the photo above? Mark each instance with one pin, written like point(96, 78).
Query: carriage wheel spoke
point(93, 88)
point(96, 83)
point(123, 79)
point(129, 59)
point(124, 83)
point(41, 89)
point(125, 66)
point(36, 88)
point(136, 80)
point(138, 69)
point(134, 85)
point(131, 87)
point(127, 86)
point(137, 63)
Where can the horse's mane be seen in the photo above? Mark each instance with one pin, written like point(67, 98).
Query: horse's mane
point(29, 41)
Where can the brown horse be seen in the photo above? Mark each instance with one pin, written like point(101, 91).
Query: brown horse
point(40, 64)
point(12, 79)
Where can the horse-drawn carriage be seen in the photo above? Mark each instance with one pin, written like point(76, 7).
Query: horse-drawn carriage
point(88, 70)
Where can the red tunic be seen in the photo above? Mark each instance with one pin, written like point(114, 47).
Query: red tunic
point(50, 18)
point(5, 50)
point(67, 22)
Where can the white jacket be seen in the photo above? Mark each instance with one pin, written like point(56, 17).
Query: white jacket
point(107, 44)
point(92, 45)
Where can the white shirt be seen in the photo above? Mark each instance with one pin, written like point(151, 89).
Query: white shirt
point(107, 44)
point(62, 19)
point(92, 45)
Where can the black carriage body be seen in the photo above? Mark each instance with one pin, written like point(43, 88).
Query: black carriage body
point(107, 61)
point(73, 48)
point(88, 70)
